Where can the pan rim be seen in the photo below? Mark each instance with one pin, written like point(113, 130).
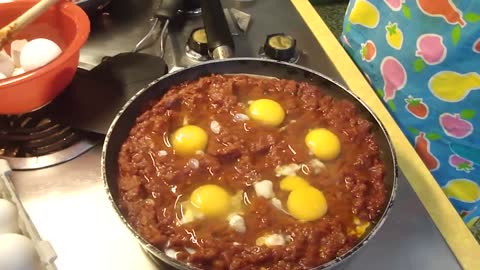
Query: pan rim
point(328, 265)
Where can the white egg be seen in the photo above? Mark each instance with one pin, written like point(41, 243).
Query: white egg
point(277, 203)
point(171, 253)
point(237, 223)
point(316, 165)
point(2, 76)
point(8, 217)
point(18, 71)
point(287, 170)
point(190, 250)
point(264, 189)
point(215, 127)
point(275, 240)
point(271, 240)
point(17, 252)
point(38, 52)
point(15, 49)
point(6, 64)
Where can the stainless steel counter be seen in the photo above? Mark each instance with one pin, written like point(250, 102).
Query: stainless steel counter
point(70, 208)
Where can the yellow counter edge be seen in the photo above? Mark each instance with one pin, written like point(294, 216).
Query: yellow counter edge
point(452, 227)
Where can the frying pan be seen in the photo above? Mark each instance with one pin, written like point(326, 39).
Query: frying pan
point(127, 116)
point(125, 120)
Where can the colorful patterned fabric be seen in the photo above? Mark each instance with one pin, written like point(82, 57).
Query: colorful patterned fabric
point(423, 59)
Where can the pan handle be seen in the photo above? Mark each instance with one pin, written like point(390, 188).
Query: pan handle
point(220, 42)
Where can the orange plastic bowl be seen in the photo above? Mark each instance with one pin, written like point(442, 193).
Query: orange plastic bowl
point(68, 26)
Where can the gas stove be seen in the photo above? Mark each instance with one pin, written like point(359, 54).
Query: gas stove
point(67, 200)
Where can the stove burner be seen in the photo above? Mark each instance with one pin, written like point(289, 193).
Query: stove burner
point(33, 141)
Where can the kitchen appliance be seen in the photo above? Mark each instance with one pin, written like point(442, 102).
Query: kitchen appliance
point(68, 204)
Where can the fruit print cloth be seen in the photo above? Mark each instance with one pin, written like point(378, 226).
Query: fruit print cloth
point(423, 59)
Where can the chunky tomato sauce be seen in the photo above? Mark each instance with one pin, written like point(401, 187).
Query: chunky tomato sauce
point(153, 179)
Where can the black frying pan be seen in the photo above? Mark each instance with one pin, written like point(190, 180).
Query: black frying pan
point(221, 45)
point(125, 120)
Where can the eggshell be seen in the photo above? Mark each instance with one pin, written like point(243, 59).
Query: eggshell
point(15, 49)
point(8, 217)
point(275, 240)
point(237, 223)
point(18, 71)
point(38, 52)
point(264, 189)
point(6, 64)
point(17, 252)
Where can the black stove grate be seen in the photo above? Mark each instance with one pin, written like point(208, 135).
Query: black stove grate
point(34, 140)
point(32, 135)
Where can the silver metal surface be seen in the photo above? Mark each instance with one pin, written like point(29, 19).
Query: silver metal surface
point(126, 22)
point(222, 52)
point(149, 37)
point(64, 155)
point(69, 205)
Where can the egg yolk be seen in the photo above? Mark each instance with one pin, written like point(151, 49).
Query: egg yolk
point(267, 112)
point(360, 229)
point(211, 200)
point(189, 139)
point(290, 183)
point(307, 203)
point(323, 143)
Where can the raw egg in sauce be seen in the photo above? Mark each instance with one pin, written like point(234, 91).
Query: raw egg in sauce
point(266, 111)
point(307, 203)
point(211, 200)
point(323, 143)
point(291, 183)
point(189, 139)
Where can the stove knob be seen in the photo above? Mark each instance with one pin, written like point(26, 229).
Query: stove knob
point(192, 7)
point(197, 43)
point(280, 47)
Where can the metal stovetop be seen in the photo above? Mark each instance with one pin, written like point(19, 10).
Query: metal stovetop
point(69, 205)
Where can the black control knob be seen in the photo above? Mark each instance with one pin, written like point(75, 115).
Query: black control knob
point(192, 7)
point(198, 44)
point(280, 47)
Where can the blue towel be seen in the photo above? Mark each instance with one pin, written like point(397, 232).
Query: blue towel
point(423, 59)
